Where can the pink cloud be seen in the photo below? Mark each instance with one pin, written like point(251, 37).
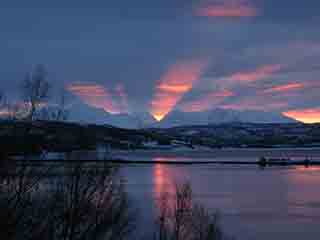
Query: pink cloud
point(214, 98)
point(261, 72)
point(228, 8)
point(94, 95)
point(285, 88)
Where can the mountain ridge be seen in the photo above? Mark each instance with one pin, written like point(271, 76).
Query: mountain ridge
point(87, 114)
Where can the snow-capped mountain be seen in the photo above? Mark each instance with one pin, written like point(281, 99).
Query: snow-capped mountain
point(216, 116)
point(252, 116)
point(87, 114)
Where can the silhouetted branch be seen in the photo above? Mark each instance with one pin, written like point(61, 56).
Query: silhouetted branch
point(81, 203)
point(181, 219)
point(35, 90)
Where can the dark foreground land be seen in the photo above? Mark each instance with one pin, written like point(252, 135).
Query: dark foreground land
point(30, 138)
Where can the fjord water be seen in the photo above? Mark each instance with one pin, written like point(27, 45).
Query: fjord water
point(253, 202)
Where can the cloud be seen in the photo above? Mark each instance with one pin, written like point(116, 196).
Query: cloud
point(307, 115)
point(228, 8)
point(230, 86)
point(260, 73)
point(285, 88)
point(94, 95)
point(176, 81)
point(257, 103)
point(113, 101)
point(256, 106)
point(206, 102)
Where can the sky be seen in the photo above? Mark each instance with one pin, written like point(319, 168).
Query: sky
point(164, 55)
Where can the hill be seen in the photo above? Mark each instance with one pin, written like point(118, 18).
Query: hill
point(25, 138)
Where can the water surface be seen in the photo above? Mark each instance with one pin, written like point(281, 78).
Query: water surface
point(255, 203)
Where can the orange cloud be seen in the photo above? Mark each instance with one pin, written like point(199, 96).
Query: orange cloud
point(285, 88)
point(309, 115)
point(258, 74)
point(94, 95)
point(207, 102)
point(228, 8)
point(177, 81)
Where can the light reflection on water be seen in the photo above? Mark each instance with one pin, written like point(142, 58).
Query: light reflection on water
point(304, 197)
point(255, 203)
point(165, 180)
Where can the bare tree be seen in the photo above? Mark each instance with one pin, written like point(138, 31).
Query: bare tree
point(11, 110)
point(180, 218)
point(60, 111)
point(83, 202)
point(57, 111)
point(15, 111)
point(175, 214)
point(6, 107)
point(89, 204)
point(18, 186)
point(35, 90)
point(204, 225)
point(1, 98)
point(2, 104)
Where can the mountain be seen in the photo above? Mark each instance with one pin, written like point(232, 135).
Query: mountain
point(216, 116)
point(251, 116)
point(86, 114)
point(144, 119)
point(83, 113)
point(178, 118)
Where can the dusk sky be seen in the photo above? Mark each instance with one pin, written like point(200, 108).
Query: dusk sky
point(160, 55)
